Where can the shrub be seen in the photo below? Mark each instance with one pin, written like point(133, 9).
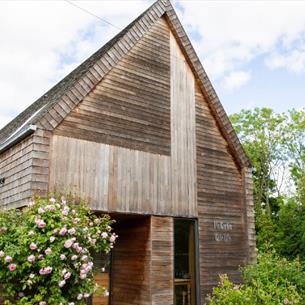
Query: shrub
point(45, 252)
point(272, 281)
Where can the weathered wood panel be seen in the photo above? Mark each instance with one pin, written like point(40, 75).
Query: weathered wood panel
point(183, 134)
point(25, 170)
point(130, 107)
point(116, 179)
point(131, 263)
point(220, 200)
point(162, 261)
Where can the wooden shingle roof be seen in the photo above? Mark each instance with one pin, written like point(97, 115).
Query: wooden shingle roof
point(48, 112)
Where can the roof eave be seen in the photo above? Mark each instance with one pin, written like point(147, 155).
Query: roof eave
point(11, 141)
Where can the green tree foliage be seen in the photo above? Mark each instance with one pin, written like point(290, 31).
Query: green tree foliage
point(275, 144)
point(273, 281)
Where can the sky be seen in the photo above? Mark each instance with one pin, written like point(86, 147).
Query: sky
point(253, 51)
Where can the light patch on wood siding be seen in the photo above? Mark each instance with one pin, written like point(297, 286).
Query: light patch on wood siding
point(116, 179)
point(183, 133)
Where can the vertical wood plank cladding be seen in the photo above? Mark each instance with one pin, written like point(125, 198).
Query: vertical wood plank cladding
point(23, 168)
point(220, 198)
point(162, 261)
point(130, 107)
point(131, 263)
point(248, 186)
point(116, 179)
point(183, 134)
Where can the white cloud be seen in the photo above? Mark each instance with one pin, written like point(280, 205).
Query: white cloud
point(236, 32)
point(293, 61)
point(236, 79)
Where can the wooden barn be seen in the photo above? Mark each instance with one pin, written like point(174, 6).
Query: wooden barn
point(138, 131)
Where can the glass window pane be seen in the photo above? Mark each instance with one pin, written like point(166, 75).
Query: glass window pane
point(184, 262)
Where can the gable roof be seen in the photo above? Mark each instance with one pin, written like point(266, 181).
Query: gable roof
point(50, 109)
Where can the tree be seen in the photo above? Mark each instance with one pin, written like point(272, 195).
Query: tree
point(275, 144)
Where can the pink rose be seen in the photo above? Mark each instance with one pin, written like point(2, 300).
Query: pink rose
point(74, 257)
point(84, 258)
point(46, 270)
point(2, 253)
point(42, 303)
point(62, 283)
point(8, 259)
point(62, 257)
point(31, 258)
point(40, 223)
point(72, 231)
point(41, 211)
point(40, 256)
point(63, 231)
point(68, 243)
point(83, 276)
point(52, 238)
point(104, 235)
point(67, 275)
point(12, 267)
point(112, 238)
point(52, 199)
point(33, 246)
point(48, 251)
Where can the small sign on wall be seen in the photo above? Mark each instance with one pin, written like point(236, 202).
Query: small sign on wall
point(223, 229)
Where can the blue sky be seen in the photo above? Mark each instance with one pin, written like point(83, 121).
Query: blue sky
point(253, 51)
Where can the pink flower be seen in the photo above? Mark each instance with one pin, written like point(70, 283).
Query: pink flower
point(76, 220)
point(2, 253)
point(62, 283)
point(65, 211)
point(33, 246)
point(8, 259)
point(52, 199)
point(46, 270)
point(104, 235)
point(84, 258)
point(31, 258)
point(67, 275)
point(62, 257)
point(55, 231)
point(63, 231)
point(12, 267)
point(79, 249)
point(31, 233)
point(40, 256)
point(48, 251)
point(42, 303)
point(68, 243)
point(97, 221)
point(112, 238)
point(72, 231)
point(40, 211)
point(52, 238)
point(74, 257)
point(83, 276)
point(75, 245)
point(40, 223)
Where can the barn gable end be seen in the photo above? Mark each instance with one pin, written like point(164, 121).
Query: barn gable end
point(138, 129)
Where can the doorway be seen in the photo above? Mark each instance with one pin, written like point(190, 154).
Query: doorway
point(185, 259)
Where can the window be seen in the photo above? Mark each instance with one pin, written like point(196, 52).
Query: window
point(185, 277)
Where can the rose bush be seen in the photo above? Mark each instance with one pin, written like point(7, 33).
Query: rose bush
point(45, 252)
